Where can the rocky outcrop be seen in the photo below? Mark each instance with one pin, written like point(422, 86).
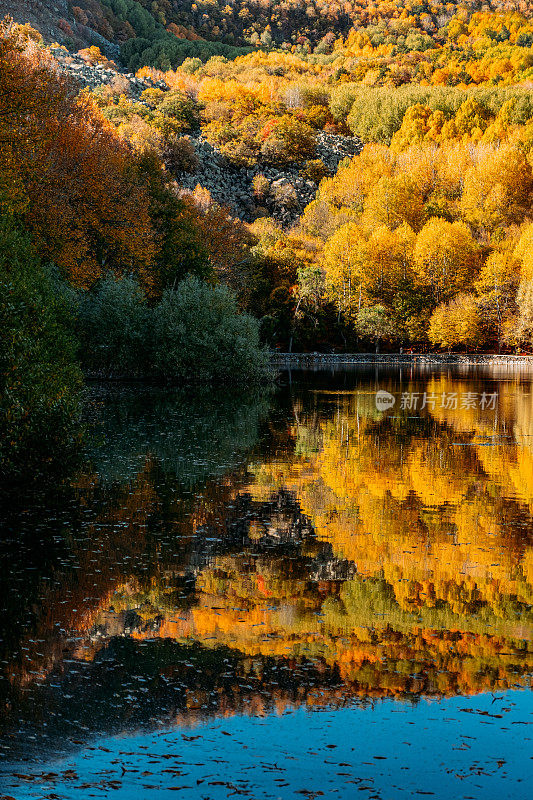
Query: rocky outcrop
point(91, 75)
point(333, 360)
point(40, 15)
point(288, 191)
point(288, 194)
point(56, 23)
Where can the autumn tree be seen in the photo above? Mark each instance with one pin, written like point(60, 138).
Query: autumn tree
point(521, 331)
point(446, 257)
point(395, 201)
point(496, 287)
point(457, 323)
point(374, 323)
point(524, 252)
point(497, 190)
point(85, 208)
point(343, 263)
point(227, 242)
point(287, 139)
point(181, 250)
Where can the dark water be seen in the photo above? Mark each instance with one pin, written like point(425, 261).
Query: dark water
point(289, 595)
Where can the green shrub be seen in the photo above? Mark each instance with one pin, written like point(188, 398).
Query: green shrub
point(314, 170)
point(375, 115)
point(113, 327)
point(177, 113)
point(200, 336)
point(195, 334)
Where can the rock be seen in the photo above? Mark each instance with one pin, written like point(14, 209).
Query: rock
point(229, 185)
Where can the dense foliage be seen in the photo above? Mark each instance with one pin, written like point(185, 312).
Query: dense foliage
point(420, 241)
point(195, 333)
point(412, 38)
point(94, 200)
point(74, 194)
point(316, 541)
point(427, 225)
point(39, 378)
point(433, 216)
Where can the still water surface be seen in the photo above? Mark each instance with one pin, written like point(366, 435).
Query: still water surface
point(294, 595)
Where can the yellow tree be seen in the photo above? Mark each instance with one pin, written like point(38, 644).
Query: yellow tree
point(414, 128)
point(388, 260)
point(470, 121)
point(457, 323)
point(393, 201)
point(524, 253)
point(446, 257)
point(498, 189)
point(522, 331)
point(343, 263)
point(496, 289)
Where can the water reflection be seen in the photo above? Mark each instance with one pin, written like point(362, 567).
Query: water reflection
point(217, 558)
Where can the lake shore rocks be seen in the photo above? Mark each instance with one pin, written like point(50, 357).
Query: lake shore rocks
point(304, 360)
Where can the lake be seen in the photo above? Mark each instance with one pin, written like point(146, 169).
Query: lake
point(323, 590)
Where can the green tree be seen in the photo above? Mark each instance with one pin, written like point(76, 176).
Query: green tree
point(199, 335)
point(374, 323)
point(39, 377)
point(113, 327)
point(177, 113)
point(181, 251)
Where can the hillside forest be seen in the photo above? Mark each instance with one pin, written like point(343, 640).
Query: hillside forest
point(109, 266)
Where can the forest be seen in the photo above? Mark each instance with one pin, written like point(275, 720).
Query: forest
point(191, 193)
point(422, 240)
point(102, 267)
point(109, 268)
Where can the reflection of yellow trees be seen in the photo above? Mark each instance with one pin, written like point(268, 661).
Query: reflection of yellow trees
point(462, 419)
point(434, 512)
point(438, 506)
point(435, 474)
point(376, 647)
point(521, 475)
point(119, 540)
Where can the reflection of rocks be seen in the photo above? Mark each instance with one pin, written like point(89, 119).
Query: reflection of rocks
point(331, 569)
point(278, 521)
point(122, 623)
point(256, 539)
point(272, 529)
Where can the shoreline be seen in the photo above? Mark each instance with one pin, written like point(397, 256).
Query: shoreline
point(343, 359)
point(304, 361)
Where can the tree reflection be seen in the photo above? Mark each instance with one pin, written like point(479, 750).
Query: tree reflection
point(338, 556)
